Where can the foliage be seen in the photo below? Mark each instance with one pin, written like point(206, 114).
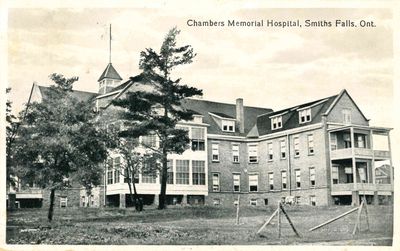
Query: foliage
point(11, 129)
point(58, 139)
point(158, 110)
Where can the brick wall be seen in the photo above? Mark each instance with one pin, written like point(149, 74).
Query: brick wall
point(345, 102)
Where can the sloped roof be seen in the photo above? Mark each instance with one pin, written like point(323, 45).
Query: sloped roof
point(222, 115)
point(80, 95)
point(292, 116)
point(110, 72)
point(203, 107)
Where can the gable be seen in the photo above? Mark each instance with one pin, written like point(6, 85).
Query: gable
point(344, 101)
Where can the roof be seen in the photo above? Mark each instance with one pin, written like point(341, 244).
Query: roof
point(80, 95)
point(110, 72)
point(290, 118)
point(223, 115)
point(203, 107)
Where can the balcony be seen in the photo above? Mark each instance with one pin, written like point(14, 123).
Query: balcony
point(347, 188)
point(30, 193)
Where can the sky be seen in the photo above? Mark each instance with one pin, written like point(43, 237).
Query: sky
point(267, 67)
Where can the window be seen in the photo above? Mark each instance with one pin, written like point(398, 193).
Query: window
point(270, 152)
point(335, 174)
point(349, 174)
point(313, 201)
point(297, 200)
point(228, 125)
point(271, 181)
point(298, 178)
point(360, 141)
point(305, 115)
point(310, 144)
point(149, 140)
point(253, 202)
point(253, 153)
point(117, 166)
point(284, 180)
point(215, 182)
point(83, 199)
point(296, 143)
point(283, 149)
point(109, 171)
point(170, 179)
point(266, 202)
point(199, 174)
point(63, 201)
point(312, 177)
point(346, 116)
point(215, 151)
point(198, 141)
point(236, 182)
point(276, 122)
point(347, 140)
point(216, 202)
point(148, 178)
point(235, 153)
point(253, 182)
point(333, 141)
point(182, 172)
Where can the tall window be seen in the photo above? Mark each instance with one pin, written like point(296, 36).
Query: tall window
point(335, 174)
point(215, 182)
point(313, 201)
point(298, 178)
point(199, 174)
point(312, 177)
point(296, 144)
point(283, 149)
point(349, 174)
point(360, 141)
point(284, 180)
point(182, 172)
point(215, 151)
point(310, 144)
point(253, 153)
point(271, 181)
point(270, 152)
point(235, 153)
point(253, 182)
point(148, 178)
point(236, 182)
point(170, 179)
point(117, 166)
point(276, 122)
point(305, 115)
point(110, 171)
point(333, 141)
point(198, 141)
point(228, 125)
point(347, 140)
point(346, 113)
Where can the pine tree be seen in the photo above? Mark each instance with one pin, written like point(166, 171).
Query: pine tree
point(158, 111)
point(58, 139)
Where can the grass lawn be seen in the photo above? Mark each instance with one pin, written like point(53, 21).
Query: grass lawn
point(201, 225)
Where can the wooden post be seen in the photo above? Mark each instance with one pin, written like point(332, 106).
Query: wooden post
point(237, 210)
point(268, 221)
point(366, 214)
point(279, 220)
point(334, 219)
point(356, 226)
point(290, 222)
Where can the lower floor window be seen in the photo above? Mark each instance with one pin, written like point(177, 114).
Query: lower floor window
point(63, 201)
point(253, 202)
point(216, 202)
point(313, 201)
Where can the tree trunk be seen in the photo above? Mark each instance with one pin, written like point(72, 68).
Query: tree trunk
point(135, 198)
point(51, 208)
point(138, 201)
point(164, 174)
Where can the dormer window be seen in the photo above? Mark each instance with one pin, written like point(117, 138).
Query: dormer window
point(228, 125)
point(305, 116)
point(276, 122)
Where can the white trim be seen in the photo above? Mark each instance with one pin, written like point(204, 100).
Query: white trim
point(279, 114)
point(107, 94)
point(343, 126)
point(310, 106)
point(217, 116)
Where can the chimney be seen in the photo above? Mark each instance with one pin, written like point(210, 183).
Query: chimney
point(240, 114)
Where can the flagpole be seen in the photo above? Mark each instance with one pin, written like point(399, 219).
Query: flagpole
point(110, 46)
